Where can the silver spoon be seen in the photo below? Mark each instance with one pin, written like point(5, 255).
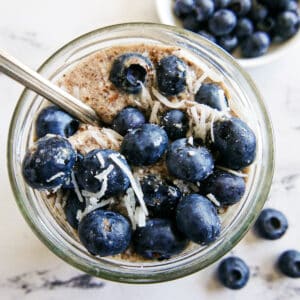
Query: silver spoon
point(35, 82)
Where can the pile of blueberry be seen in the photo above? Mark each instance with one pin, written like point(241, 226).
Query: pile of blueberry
point(272, 224)
point(251, 24)
point(175, 217)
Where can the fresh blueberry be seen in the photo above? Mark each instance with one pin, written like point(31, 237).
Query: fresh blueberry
point(221, 3)
point(73, 205)
point(160, 197)
point(128, 118)
point(55, 121)
point(98, 173)
point(171, 75)
point(278, 5)
point(228, 42)
point(189, 162)
point(207, 35)
point(289, 263)
point(191, 23)
point(235, 142)
point(287, 25)
point(197, 218)
point(158, 239)
point(233, 273)
point(48, 162)
point(176, 124)
point(104, 233)
point(144, 145)
point(244, 28)
point(182, 8)
point(255, 45)
point(266, 25)
point(204, 9)
point(240, 7)
point(292, 6)
point(212, 95)
point(227, 188)
point(129, 72)
point(271, 224)
point(258, 12)
point(222, 22)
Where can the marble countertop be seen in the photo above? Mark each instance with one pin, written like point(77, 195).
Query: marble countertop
point(31, 30)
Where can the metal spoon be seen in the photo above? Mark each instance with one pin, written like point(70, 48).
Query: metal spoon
point(35, 82)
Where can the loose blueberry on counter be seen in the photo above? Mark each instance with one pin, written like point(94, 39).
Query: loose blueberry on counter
point(104, 233)
point(256, 44)
point(128, 118)
point(240, 7)
point(212, 95)
point(129, 72)
point(48, 162)
point(233, 273)
point(189, 162)
point(258, 12)
point(221, 3)
point(222, 22)
point(235, 142)
point(55, 121)
point(227, 188)
point(228, 42)
point(182, 8)
point(161, 198)
point(158, 239)
point(244, 28)
point(207, 35)
point(175, 122)
point(197, 218)
point(144, 145)
point(204, 9)
point(286, 26)
point(289, 263)
point(73, 205)
point(271, 224)
point(91, 167)
point(171, 75)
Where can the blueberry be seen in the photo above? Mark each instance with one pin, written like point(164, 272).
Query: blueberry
point(244, 28)
point(222, 22)
point(221, 3)
point(278, 5)
point(73, 205)
point(128, 118)
point(160, 197)
point(289, 263)
point(292, 6)
point(55, 121)
point(191, 23)
point(197, 218)
point(271, 224)
point(68, 183)
point(129, 72)
point(182, 8)
point(240, 7)
point(258, 12)
point(212, 95)
point(48, 162)
point(158, 239)
point(204, 9)
point(187, 162)
point(144, 145)
point(227, 188)
point(255, 45)
point(176, 124)
point(104, 233)
point(286, 26)
point(171, 75)
point(98, 173)
point(235, 142)
point(266, 25)
point(207, 35)
point(233, 273)
point(228, 42)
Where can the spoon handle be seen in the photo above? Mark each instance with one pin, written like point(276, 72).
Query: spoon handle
point(35, 82)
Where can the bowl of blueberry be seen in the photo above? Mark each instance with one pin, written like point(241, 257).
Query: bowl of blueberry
point(172, 178)
point(255, 32)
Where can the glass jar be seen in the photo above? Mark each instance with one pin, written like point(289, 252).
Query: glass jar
point(235, 222)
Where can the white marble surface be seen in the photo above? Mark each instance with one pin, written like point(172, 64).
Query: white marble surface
point(32, 30)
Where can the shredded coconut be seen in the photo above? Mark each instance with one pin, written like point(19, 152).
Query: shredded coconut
point(240, 174)
point(213, 199)
point(76, 187)
point(140, 217)
point(154, 113)
point(59, 174)
point(100, 159)
point(129, 203)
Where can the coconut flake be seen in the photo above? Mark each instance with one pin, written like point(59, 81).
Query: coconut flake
point(129, 203)
point(76, 187)
point(199, 82)
point(213, 199)
point(140, 217)
point(166, 102)
point(100, 159)
point(240, 174)
point(59, 174)
point(113, 136)
point(154, 117)
point(145, 96)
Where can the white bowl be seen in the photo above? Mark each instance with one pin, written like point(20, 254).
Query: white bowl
point(166, 16)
